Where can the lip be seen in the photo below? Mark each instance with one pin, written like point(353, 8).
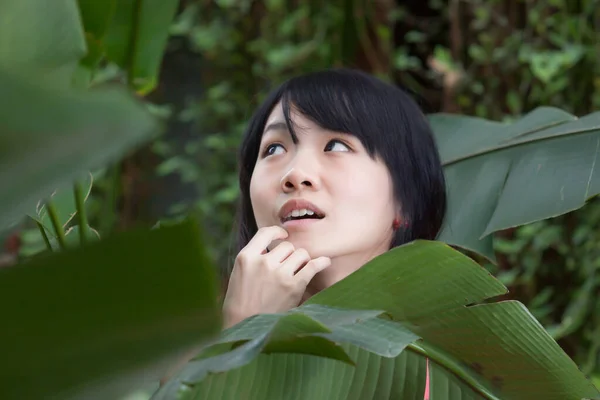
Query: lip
point(298, 204)
point(294, 224)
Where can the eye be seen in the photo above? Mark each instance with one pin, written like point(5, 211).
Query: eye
point(336, 145)
point(273, 149)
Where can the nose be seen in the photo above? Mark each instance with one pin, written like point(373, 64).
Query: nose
point(301, 175)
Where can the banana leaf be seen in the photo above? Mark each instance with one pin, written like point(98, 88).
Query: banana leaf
point(506, 175)
point(422, 301)
point(88, 323)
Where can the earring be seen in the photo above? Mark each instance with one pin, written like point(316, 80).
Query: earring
point(396, 224)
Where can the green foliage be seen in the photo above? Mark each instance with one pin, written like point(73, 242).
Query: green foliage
point(490, 167)
point(557, 278)
point(85, 322)
point(514, 57)
point(532, 54)
point(249, 47)
point(88, 322)
point(510, 57)
point(483, 351)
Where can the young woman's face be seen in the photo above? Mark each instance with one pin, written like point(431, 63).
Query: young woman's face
point(329, 175)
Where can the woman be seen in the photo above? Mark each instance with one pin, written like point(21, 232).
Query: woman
point(336, 168)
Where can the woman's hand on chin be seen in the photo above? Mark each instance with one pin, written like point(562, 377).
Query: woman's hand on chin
point(268, 282)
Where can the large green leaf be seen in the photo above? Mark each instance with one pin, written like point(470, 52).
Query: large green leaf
point(505, 175)
point(42, 39)
point(280, 333)
point(492, 351)
point(295, 377)
point(397, 280)
point(507, 347)
point(51, 137)
point(445, 386)
point(98, 321)
point(354, 326)
point(310, 330)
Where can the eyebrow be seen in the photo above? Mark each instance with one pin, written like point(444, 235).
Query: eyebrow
point(276, 126)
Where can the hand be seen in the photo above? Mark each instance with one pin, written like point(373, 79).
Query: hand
point(268, 282)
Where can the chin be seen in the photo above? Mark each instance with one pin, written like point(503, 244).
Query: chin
point(314, 249)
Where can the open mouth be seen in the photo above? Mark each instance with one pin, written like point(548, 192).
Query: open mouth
point(301, 214)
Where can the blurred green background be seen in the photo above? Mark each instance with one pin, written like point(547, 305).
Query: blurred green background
point(496, 59)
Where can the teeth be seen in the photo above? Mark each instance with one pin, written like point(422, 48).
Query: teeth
point(300, 213)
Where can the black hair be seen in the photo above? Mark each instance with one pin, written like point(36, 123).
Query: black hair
point(389, 124)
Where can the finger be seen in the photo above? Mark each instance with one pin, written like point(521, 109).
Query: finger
point(280, 253)
point(295, 261)
point(263, 238)
point(312, 268)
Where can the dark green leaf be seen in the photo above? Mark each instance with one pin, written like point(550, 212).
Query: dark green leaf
point(98, 321)
point(96, 16)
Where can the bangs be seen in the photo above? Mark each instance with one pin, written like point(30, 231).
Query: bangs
point(339, 101)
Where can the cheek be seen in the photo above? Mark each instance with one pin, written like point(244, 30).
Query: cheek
point(259, 197)
point(370, 192)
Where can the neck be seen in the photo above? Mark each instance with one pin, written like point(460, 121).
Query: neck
point(339, 269)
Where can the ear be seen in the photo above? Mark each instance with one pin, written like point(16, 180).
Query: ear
point(399, 215)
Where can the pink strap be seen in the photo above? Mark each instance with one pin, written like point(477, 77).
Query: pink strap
point(426, 397)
